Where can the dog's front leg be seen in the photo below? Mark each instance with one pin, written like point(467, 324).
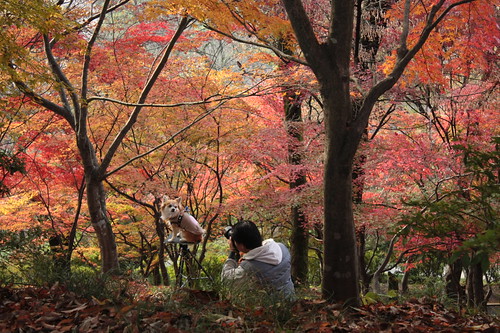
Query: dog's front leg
point(175, 232)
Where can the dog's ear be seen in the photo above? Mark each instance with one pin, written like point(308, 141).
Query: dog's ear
point(178, 200)
point(165, 198)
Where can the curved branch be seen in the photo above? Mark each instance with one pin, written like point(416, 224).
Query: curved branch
point(81, 115)
point(304, 32)
point(130, 197)
point(142, 98)
point(195, 121)
point(60, 76)
point(49, 105)
point(212, 98)
point(403, 59)
point(277, 51)
point(95, 17)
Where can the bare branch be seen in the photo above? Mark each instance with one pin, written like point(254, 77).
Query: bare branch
point(81, 115)
point(182, 130)
point(95, 17)
point(277, 51)
point(60, 76)
point(183, 24)
point(49, 105)
point(403, 59)
point(406, 28)
point(131, 198)
point(210, 99)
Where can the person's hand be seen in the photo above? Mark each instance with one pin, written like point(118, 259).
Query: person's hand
point(234, 253)
point(232, 248)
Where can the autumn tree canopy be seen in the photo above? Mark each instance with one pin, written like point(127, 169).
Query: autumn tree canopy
point(105, 107)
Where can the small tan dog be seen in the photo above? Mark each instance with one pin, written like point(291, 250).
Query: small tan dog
point(180, 222)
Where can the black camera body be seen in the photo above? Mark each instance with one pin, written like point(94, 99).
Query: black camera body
point(228, 232)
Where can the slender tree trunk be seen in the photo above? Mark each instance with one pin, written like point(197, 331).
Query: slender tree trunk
point(299, 238)
point(300, 246)
point(405, 281)
point(361, 241)
point(160, 230)
point(96, 200)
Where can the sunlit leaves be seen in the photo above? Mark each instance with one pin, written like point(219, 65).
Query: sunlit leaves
point(462, 45)
point(263, 19)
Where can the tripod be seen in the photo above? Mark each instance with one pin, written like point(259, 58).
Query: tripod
point(185, 268)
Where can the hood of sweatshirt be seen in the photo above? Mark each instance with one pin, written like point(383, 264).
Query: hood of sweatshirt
point(270, 253)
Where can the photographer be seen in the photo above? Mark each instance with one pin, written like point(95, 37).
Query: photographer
point(265, 262)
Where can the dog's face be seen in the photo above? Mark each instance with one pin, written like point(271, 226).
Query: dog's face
point(170, 208)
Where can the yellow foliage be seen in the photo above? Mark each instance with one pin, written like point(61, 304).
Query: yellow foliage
point(18, 212)
point(252, 18)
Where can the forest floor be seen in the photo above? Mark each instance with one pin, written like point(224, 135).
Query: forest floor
point(56, 309)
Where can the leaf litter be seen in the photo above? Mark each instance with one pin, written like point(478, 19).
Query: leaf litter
point(57, 310)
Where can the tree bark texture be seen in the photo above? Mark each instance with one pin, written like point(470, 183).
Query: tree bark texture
point(475, 286)
point(452, 279)
point(330, 63)
point(160, 231)
point(96, 200)
point(300, 238)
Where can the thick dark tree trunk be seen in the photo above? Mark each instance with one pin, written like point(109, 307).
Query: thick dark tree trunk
point(452, 278)
point(340, 267)
point(156, 276)
point(392, 282)
point(475, 287)
point(61, 260)
point(300, 238)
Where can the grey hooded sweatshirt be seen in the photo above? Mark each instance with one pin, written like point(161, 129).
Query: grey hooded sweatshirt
point(269, 264)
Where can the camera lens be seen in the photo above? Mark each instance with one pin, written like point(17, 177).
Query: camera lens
point(228, 232)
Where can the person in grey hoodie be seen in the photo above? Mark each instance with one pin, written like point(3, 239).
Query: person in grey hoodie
point(266, 263)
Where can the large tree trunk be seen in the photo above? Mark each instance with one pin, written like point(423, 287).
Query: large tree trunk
point(341, 263)
point(475, 286)
point(452, 279)
point(340, 267)
point(299, 239)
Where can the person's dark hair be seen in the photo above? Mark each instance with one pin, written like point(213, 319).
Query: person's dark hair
point(247, 233)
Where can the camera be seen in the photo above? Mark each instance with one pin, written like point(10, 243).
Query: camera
point(228, 232)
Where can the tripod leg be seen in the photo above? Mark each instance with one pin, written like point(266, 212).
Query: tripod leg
point(202, 268)
point(178, 278)
point(199, 265)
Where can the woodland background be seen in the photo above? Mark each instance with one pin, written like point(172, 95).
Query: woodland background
point(106, 106)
